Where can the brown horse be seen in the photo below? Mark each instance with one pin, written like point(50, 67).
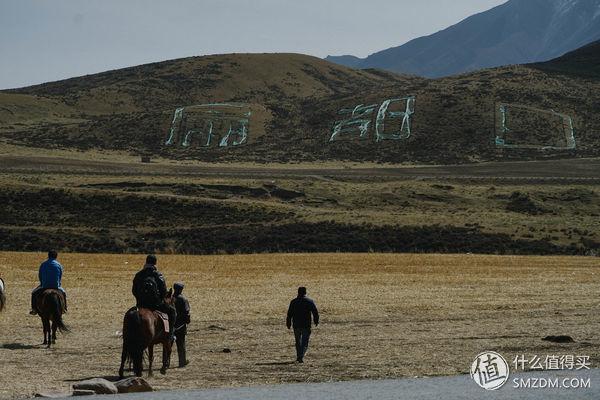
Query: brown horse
point(142, 329)
point(51, 306)
point(2, 295)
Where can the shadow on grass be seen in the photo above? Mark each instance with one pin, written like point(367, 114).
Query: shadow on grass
point(277, 363)
point(19, 346)
point(111, 378)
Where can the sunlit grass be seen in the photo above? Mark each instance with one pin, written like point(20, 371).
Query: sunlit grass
point(383, 315)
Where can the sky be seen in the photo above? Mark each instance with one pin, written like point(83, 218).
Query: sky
point(47, 40)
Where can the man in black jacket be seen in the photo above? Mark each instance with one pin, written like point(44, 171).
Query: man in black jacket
point(149, 289)
point(183, 319)
point(299, 316)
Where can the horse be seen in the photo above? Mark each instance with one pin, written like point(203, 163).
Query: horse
point(51, 306)
point(2, 295)
point(143, 329)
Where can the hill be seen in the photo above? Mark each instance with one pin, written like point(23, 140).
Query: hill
point(132, 108)
point(294, 101)
point(517, 32)
point(229, 77)
point(583, 62)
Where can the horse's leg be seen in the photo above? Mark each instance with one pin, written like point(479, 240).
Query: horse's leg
point(50, 323)
point(169, 351)
point(123, 358)
point(166, 356)
point(150, 358)
point(54, 327)
point(46, 327)
point(48, 339)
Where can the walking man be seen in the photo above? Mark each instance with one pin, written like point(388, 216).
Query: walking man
point(299, 316)
point(182, 306)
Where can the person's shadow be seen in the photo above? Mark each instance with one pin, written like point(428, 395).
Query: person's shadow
point(277, 363)
point(18, 346)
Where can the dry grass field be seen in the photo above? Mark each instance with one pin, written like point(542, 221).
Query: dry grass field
point(99, 205)
point(383, 316)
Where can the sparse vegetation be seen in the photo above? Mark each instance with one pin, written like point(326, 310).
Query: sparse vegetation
point(131, 110)
point(92, 206)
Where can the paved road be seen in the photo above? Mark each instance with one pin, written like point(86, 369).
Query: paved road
point(548, 171)
point(443, 388)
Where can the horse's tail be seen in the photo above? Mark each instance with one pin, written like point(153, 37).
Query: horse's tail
point(133, 345)
point(57, 311)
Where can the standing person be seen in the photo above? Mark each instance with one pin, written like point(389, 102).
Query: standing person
point(50, 276)
point(150, 289)
point(299, 316)
point(182, 306)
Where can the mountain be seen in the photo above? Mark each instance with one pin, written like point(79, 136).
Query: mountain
point(295, 101)
point(516, 32)
point(346, 60)
point(583, 62)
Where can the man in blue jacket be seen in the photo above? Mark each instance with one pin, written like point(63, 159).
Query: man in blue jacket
point(50, 276)
point(299, 315)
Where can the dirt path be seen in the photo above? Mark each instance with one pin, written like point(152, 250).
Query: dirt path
point(553, 171)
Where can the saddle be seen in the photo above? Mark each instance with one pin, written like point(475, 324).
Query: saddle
point(165, 320)
point(163, 317)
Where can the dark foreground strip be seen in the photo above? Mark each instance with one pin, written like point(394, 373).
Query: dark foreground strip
point(285, 238)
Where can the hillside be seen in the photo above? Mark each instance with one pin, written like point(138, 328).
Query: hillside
point(583, 62)
point(131, 108)
point(294, 101)
point(230, 77)
point(166, 207)
point(517, 32)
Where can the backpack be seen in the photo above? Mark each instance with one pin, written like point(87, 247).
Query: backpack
point(149, 292)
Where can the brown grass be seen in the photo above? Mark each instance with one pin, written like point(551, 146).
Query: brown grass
point(565, 219)
point(382, 316)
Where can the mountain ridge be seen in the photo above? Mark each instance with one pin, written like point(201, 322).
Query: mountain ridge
point(516, 32)
point(583, 62)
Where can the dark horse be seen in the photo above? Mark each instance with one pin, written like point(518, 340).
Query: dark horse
point(51, 306)
point(2, 295)
point(142, 329)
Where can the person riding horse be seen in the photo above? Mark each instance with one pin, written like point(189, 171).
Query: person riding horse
point(50, 276)
point(149, 289)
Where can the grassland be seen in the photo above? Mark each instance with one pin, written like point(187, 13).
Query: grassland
point(383, 315)
point(99, 205)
